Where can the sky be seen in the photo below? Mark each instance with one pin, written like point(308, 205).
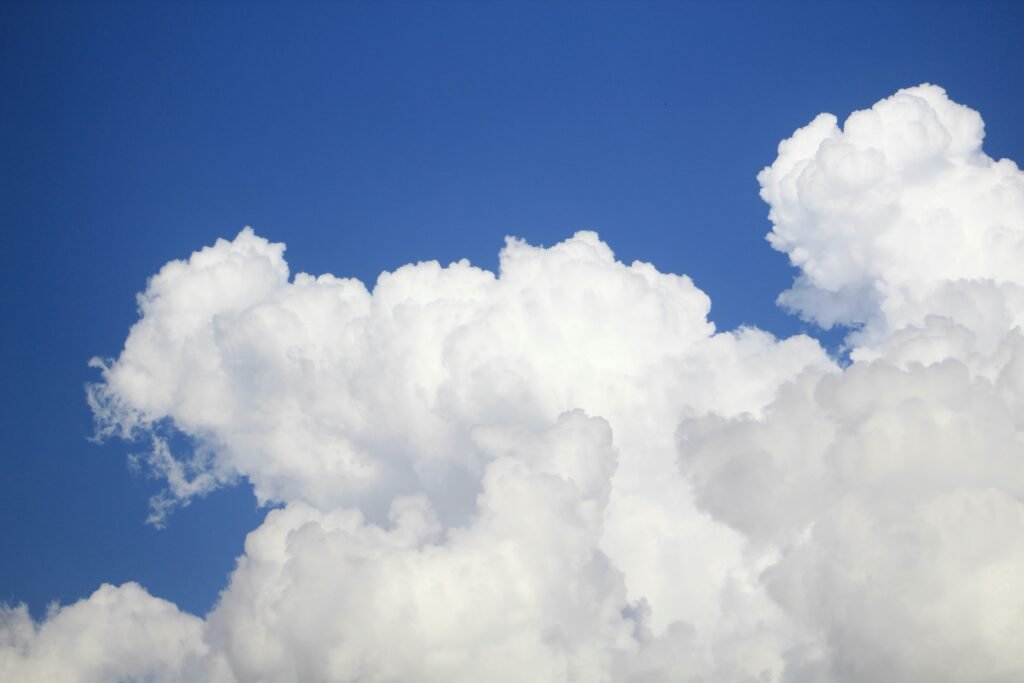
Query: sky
point(402, 433)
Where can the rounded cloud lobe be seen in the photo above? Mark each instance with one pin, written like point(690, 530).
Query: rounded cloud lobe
point(563, 472)
point(899, 215)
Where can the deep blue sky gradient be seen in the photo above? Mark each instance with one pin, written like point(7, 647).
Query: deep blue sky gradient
point(367, 135)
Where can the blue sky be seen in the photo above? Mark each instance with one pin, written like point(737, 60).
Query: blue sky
point(369, 135)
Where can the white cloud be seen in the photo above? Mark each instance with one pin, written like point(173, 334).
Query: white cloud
point(897, 216)
point(562, 472)
point(894, 499)
point(319, 392)
point(326, 396)
point(892, 494)
point(117, 634)
point(378, 392)
point(523, 593)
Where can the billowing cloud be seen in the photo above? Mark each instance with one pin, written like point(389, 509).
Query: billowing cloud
point(328, 397)
point(899, 215)
point(892, 494)
point(563, 472)
point(116, 634)
point(893, 501)
point(317, 390)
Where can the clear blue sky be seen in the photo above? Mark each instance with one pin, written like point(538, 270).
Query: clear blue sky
point(367, 135)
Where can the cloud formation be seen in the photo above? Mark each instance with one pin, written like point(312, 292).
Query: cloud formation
point(897, 216)
point(563, 472)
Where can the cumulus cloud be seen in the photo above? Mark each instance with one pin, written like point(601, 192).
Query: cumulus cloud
point(893, 499)
point(116, 634)
point(891, 494)
point(379, 392)
point(899, 215)
point(326, 396)
point(563, 472)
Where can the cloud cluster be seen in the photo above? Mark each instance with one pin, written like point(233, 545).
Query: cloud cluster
point(563, 472)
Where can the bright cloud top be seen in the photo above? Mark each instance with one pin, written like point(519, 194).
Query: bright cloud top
point(319, 391)
point(562, 472)
point(897, 216)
